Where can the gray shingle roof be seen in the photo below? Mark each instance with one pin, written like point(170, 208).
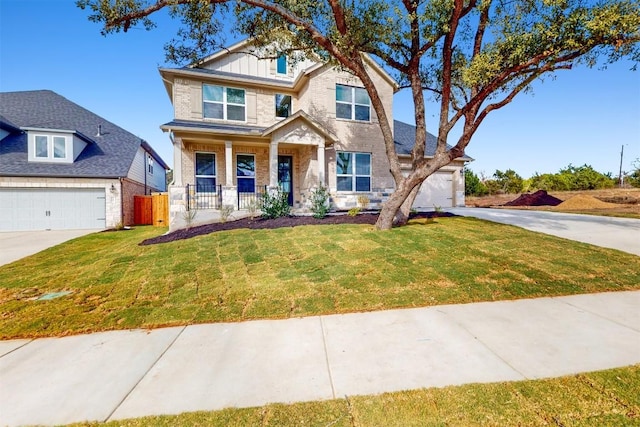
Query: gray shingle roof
point(404, 136)
point(107, 156)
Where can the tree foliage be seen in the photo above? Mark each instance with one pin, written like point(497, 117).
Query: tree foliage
point(572, 178)
point(472, 184)
point(472, 56)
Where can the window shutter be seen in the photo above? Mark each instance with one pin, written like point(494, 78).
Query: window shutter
point(195, 93)
point(251, 106)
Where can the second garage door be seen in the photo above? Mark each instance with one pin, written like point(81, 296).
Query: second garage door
point(436, 191)
point(23, 209)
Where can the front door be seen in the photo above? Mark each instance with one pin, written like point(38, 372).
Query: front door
point(285, 176)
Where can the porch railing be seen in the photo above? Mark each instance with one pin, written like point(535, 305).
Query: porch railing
point(204, 197)
point(210, 197)
point(250, 200)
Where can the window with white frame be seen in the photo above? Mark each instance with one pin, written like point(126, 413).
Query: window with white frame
point(353, 171)
point(246, 173)
point(205, 172)
point(283, 105)
point(352, 103)
point(224, 103)
point(150, 165)
point(50, 147)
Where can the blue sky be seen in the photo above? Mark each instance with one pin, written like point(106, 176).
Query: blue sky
point(583, 116)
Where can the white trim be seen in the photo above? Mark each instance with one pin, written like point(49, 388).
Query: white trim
point(215, 169)
point(50, 157)
point(225, 104)
point(255, 171)
point(353, 104)
point(354, 175)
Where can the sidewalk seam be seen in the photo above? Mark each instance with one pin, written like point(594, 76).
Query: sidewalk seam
point(18, 348)
point(144, 375)
point(326, 357)
point(596, 314)
point(485, 345)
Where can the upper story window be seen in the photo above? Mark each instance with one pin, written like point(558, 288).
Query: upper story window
point(353, 171)
point(150, 165)
point(50, 147)
point(283, 105)
point(224, 103)
point(281, 64)
point(352, 103)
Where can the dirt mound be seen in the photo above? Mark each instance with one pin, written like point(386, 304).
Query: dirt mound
point(539, 198)
point(582, 201)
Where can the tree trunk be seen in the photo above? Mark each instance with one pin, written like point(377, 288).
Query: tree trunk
point(391, 212)
point(402, 216)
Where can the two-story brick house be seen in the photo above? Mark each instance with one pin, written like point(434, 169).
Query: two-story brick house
point(242, 124)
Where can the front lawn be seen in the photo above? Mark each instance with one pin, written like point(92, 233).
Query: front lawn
point(605, 398)
point(289, 272)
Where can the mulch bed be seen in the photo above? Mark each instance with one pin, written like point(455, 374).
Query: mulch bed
point(288, 221)
point(539, 198)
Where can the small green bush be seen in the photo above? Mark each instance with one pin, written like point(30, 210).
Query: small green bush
point(320, 201)
point(353, 211)
point(275, 204)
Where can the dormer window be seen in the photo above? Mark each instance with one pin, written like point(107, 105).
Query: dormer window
point(47, 147)
point(281, 64)
point(223, 103)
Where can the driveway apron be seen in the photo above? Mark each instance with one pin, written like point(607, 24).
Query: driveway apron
point(609, 232)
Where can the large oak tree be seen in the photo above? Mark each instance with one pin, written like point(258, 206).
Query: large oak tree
point(471, 56)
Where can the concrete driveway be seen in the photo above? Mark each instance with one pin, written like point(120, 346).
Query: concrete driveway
point(617, 233)
point(15, 245)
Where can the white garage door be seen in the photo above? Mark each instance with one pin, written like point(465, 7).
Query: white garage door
point(51, 208)
point(437, 190)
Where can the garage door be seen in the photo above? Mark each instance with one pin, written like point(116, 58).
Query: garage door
point(51, 208)
point(437, 190)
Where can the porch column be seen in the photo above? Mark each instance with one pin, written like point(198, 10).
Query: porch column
point(321, 165)
point(178, 146)
point(228, 157)
point(273, 164)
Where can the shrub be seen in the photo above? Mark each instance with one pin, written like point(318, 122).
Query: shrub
point(472, 184)
point(225, 212)
point(252, 208)
point(353, 211)
point(363, 201)
point(275, 204)
point(320, 201)
point(189, 216)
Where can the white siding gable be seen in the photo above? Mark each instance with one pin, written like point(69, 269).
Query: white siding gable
point(39, 139)
point(246, 62)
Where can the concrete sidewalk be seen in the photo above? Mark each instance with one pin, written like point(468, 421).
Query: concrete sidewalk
point(115, 375)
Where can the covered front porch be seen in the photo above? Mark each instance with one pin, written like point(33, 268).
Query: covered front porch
point(221, 172)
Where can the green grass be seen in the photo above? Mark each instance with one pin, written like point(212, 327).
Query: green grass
point(605, 398)
point(250, 274)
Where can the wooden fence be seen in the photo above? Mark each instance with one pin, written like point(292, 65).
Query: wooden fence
point(154, 209)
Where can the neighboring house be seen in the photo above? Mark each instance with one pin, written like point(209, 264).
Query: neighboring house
point(243, 125)
point(64, 167)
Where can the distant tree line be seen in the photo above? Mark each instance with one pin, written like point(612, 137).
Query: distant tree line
point(570, 178)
